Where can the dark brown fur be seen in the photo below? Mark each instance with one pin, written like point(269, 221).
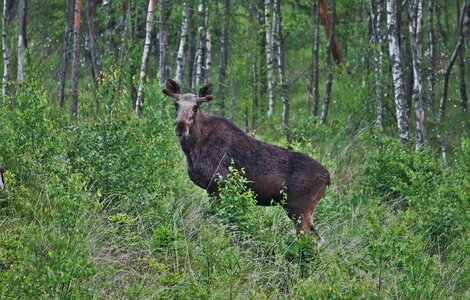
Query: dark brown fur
point(211, 143)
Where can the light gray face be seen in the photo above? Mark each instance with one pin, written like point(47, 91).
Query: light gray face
point(187, 106)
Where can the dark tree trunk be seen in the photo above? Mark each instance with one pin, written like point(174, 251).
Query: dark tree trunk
point(132, 67)
point(458, 47)
point(94, 56)
point(315, 62)
point(65, 56)
point(329, 65)
point(462, 85)
point(76, 60)
point(123, 48)
point(432, 48)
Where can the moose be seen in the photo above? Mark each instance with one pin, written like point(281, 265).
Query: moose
point(212, 143)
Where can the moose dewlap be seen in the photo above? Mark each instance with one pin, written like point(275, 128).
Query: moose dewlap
point(211, 143)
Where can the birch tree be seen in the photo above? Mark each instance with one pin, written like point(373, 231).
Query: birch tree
point(181, 48)
point(76, 59)
point(376, 16)
point(315, 50)
point(191, 46)
point(21, 39)
point(201, 51)
point(432, 48)
point(223, 55)
point(145, 56)
point(280, 62)
point(269, 56)
point(416, 15)
point(397, 71)
point(5, 53)
point(329, 65)
point(163, 33)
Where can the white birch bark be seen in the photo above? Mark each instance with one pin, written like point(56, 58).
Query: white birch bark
point(21, 39)
point(145, 56)
point(432, 39)
point(6, 56)
point(416, 14)
point(397, 71)
point(184, 35)
point(269, 57)
point(200, 54)
point(378, 59)
point(280, 62)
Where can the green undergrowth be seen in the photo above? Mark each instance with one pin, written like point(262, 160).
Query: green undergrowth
point(103, 208)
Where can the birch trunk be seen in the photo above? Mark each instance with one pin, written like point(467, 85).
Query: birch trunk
point(223, 56)
point(191, 47)
point(416, 14)
point(445, 83)
point(397, 71)
point(280, 61)
point(462, 85)
point(201, 51)
point(145, 57)
point(329, 65)
point(269, 57)
point(21, 39)
point(184, 35)
point(76, 60)
point(432, 47)
point(65, 55)
point(93, 51)
point(6, 56)
point(163, 42)
point(315, 51)
point(378, 59)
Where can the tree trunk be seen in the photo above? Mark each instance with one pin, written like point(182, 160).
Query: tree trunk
point(201, 51)
point(21, 39)
point(416, 14)
point(208, 63)
point(439, 27)
point(145, 56)
point(378, 59)
point(65, 56)
point(462, 85)
point(335, 50)
point(163, 33)
point(463, 20)
point(223, 56)
point(109, 24)
point(315, 62)
point(6, 56)
point(397, 71)
point(432, 47)
point(132, 67)
point(280, 61)
point(191, 47)
point(184, 35)
point(123, 48)
point(93, 51)
point(269, 56)
point(76, 60)
point(329, 65)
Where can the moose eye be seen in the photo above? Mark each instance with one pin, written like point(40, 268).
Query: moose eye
point(176, 106)
point(194, 109)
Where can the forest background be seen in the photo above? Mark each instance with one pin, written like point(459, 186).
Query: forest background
point(95, 201)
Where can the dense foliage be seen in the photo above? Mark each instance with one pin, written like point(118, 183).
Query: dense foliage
point(102, 207)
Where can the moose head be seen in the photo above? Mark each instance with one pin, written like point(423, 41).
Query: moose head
point(186, 105)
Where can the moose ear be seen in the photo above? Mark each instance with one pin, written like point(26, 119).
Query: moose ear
point(172, 89)
point(206, 91)
point(172, 86)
